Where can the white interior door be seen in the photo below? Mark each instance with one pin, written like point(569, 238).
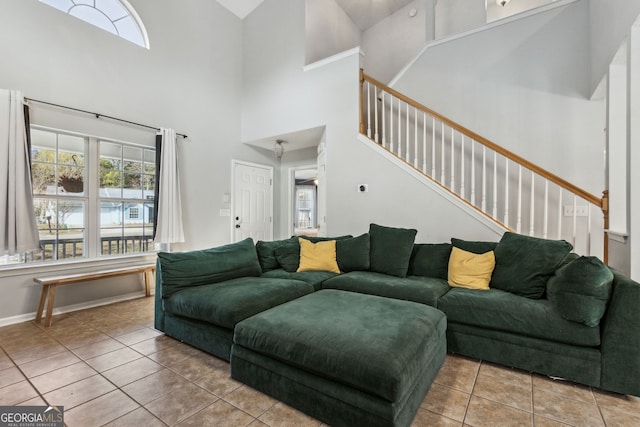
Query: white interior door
point(252, 205)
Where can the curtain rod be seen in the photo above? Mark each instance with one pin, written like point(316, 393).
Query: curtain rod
point(98, 115)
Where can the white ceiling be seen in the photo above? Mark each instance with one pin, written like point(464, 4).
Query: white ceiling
point(367, 13)
point(364, 13)
point(240, 8)
point(294, 140)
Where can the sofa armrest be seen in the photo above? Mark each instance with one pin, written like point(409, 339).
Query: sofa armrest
point(621, 338)
point(158, 303)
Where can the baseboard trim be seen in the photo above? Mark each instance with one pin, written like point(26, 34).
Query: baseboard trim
point(73, 307)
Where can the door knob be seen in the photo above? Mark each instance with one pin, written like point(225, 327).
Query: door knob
point(237, 225)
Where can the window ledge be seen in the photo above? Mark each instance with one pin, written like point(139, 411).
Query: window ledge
point(10, 270)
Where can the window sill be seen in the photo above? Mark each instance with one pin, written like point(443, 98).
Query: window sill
point(10, 270)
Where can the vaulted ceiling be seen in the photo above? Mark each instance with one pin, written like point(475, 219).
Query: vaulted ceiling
point(364, 13)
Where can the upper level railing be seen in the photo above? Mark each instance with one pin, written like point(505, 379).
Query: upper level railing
point(508, 189)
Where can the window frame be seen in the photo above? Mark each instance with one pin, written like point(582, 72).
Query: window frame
point(91, 197)
point(125, 5)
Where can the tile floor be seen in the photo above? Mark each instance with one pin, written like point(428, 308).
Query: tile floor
point(108, 366)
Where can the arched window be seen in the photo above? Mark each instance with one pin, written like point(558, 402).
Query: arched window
point(115, 16)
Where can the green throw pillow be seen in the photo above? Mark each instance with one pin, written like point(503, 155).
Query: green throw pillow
point(391, 249)
point(315, 239)
point(353, 253)
point(194, 268)
point(267, 254)
point(581, 289)
point(288, 255)
point(524, 264)
point(474, 246)
point(430, 260)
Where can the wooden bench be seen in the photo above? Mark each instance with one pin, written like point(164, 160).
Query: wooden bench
point(50, 283)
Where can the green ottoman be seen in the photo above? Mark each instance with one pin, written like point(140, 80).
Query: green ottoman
point(345, 358)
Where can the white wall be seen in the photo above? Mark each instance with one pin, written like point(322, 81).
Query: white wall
point(610, 22)
point(393, 42)
point(456, 16)
point(523, 85)
point(190, 80)
point(329, 30)
point(279, 97)
point(495, 11)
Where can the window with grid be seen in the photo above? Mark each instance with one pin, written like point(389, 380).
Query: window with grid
point(93, 197)
point(114, 16)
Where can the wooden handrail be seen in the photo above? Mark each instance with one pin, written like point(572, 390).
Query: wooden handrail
point(591, 198)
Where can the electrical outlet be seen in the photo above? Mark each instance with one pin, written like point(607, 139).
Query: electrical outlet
point(363, 188)
point(581, 210)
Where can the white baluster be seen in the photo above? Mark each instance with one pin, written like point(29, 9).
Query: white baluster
point(495, 185)
point(560, 214)
point(546, 210)
point(453, 168)
point(462, 166)
point(408, 141)
point(415, 139)
point(506, 191)
point(433, 147)
point(575, 219)
point(483, 202)
point(588, 228)
point(375, 113)
point(391, 130)
point(384, 121)
point(473, 172)
point(399, 129)
point(424, 143)
point(368, 110)
point(532, 210)
point(442, 156)
point(519, 214)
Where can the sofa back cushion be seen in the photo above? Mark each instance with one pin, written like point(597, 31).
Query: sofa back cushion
point(581, 289)
point(430, 260)
point(353, 253)
point(194, 268)
point(477, 247)
point(390, 249)
point(524, 263)
point(267, 255)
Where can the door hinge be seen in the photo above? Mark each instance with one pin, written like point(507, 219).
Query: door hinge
point(270, 181)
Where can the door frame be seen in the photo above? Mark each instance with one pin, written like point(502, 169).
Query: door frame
point(291, 194)
point(234, 163)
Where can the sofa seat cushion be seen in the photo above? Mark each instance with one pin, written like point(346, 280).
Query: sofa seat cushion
point(378, 345)
point(314, 278)
point(227, 303)
point(425, 290)
point(503, 311)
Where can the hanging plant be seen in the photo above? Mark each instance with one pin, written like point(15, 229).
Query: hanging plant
point(72, 182)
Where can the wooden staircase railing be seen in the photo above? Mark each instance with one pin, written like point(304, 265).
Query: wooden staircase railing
point(482, 173)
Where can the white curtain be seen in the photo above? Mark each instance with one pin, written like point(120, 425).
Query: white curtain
point(169, 227)
point(18, 229)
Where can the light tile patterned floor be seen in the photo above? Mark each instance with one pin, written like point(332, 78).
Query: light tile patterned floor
point(108, 366)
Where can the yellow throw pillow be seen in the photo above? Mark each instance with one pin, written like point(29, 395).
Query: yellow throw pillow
point(469, 270)
point(320, 256)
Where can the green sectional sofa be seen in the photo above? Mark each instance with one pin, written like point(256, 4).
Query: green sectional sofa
point(547, 310)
